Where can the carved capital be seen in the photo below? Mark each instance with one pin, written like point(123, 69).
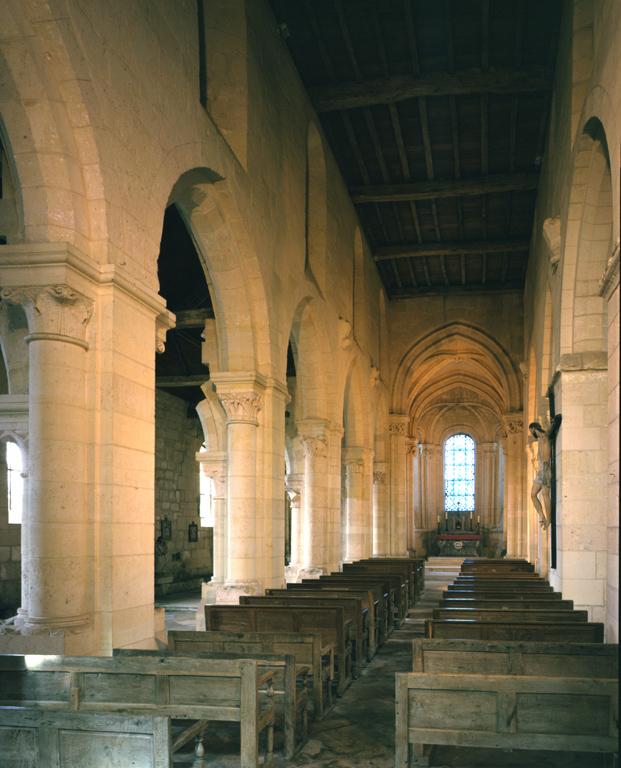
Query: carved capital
point(374, 377)
point(346, 338)
point(295, 497)
point(315, 445)
point(353, 467)
point(397, 428)
point(241, 407)
point(513, 422)
point(411, 446)
point(552, 237)
point(163, 323)
point(54, 312)
point(379, 477)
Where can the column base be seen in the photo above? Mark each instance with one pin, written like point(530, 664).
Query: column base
point(230, 592)
point(20, 635)
point(209, 594)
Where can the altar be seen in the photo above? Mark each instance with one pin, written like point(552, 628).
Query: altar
point(454, 543)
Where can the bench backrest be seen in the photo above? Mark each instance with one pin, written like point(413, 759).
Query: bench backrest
point(80, 740)
point(169, 687)
point(328, 621)
point(509, 603)
point(546, 615)
point(514, 658)
point(574, 632)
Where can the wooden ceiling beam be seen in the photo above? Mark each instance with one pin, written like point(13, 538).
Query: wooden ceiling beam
point(417, 250)
point(458, 288)
point(432, 190)
point(389, 90)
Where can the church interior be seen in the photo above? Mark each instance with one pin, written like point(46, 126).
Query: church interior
point(293, 293)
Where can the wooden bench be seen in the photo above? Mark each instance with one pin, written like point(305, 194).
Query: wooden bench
point(415, 568)
point(496, 566)
point(397, 581)
point(515, 658)
point(369, 606)
point(328, 621)
point(290, 691)
point(503, 711)
point(367, 581)
point(515, 615)
point(355, 614)
point(307, 647)
point(574, 632)
point(39, 695)
point(407, 587)
point(509, 603)
point(499, 593)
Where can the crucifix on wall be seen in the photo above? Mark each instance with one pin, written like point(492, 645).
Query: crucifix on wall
point(543, 490)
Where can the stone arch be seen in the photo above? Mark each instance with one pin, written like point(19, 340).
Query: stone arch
point(356, 416)
point(46, 102)
point(588, 243)
point(231, 268)
point(11, 205)
point(477, 358)
point(316, 207)
point(314, 372)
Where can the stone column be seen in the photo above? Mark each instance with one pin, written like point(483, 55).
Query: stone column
point(431, 492)
point(413, 529)
point(334, 549)
point(213, 466)
point(241, 396)
point(398, 530)
point(315, 520)
point(515, 512)
point(487, 477)
point(354, 539)
point(294, 487)
point(381, 518)
point(56, 561)
point(609, 291)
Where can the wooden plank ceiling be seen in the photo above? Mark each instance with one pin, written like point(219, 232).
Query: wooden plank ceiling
point(436, 111)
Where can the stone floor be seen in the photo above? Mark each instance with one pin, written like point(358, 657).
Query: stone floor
point(359, 731)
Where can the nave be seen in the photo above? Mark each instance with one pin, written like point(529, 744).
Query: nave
point(359, 731)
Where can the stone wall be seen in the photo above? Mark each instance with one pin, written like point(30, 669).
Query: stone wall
point(571, 332)
point(177, 439)
point(10, 552)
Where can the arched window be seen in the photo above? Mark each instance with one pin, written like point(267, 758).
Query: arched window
point(459, 461)
point(15, 482)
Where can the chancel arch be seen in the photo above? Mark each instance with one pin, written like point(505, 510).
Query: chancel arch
point(458, 379)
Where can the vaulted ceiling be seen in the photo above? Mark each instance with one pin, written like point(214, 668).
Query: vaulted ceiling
point(436, 111)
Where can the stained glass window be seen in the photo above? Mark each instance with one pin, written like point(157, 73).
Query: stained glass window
point(459, 460)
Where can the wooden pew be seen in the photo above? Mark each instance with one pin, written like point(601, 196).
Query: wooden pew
point(289, 686)
point(415, 566)
point(496, 566)
point(368, 604)
point(356, 615)
point(500, 594)
point(515, 658)
point(503, 711)
point(404, 570)
point(528, 615)
point(328, 621)
point(308, 648)
point(366, 580)
point(573, 631)
point(397, 579)
point(39, 695)
point(509, 603)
